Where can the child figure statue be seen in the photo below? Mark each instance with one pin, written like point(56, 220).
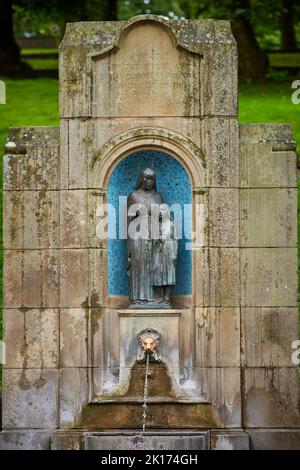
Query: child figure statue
point(165, 256)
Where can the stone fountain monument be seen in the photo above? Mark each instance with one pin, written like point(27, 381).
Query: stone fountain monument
point(217, 327)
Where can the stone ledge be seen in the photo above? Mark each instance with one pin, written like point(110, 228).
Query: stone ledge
point(34, 135)
point(229, 440)
point(265, 133)
point(135, 440)
point(235, 439)
point(274, 439)
point(25, 439)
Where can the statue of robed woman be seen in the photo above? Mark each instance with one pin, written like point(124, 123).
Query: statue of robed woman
point(147, 280)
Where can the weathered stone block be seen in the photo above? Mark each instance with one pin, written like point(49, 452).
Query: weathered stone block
point(79, 149)
point(224, 385)
point(97, 336)
point(64, 154)
point(31, 338)
point(274, 439)
point(223, 219)
point(74, 337)
point(229, 440)
point(41, 219)
point(268, 217)
point(214, 327)
point(13, 219)
point(12, 171)
point(35, 281)
point(74, 219)
point(74, 50)
point(28, 439)
point(50, 278)
point(267, 335)
point(220, 146)
point(35, 162)
point(186, 337)
point(220, 75)
point(218, 272)
point(271, 397)
point(30, 398)
point(266, 133)
point(13, 278)
point(98, 277)
point(67, 440)
point(105, 129)
point(268, 277)
point(148, 441)
point(31, 219)
point(97, 219)
point(32, 278)
point(267, 157)
point(74, 277)
point(73, 395)
point(83, 280)
point(40, 278)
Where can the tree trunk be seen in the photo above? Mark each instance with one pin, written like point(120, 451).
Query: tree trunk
point(9, 50)
point(286, 25)
point(253, 61)
point(109, 10)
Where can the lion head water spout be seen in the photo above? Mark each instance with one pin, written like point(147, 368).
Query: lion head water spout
point(149, 349)
point(149, 346)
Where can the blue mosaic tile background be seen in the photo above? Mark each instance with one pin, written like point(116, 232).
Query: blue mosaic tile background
point(174, 185)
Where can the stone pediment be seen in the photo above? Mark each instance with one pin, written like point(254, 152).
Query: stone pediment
point(146, 74)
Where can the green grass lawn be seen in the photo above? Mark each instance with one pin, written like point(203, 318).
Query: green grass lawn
point(284, 60)
point(44, 59)
point(43, 64)
point(39, 51)
point(269, 103)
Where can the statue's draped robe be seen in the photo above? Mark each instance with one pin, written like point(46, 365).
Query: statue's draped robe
point(140, 264)
point(140, 253)
point(165, 255)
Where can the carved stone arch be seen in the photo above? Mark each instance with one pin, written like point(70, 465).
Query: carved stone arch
point(169, 141)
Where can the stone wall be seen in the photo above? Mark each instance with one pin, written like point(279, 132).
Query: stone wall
point(268, 240)
point(31, 201)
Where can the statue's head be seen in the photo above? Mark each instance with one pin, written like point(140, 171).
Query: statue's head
point(146, 180)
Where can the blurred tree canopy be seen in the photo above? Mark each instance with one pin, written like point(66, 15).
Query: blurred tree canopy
point(256, 24)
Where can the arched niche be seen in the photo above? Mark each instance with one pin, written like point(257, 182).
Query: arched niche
point(183, 153)
point(173, 183)
point(141, 138)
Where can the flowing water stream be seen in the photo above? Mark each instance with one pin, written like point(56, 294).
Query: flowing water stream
point(145, 392)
